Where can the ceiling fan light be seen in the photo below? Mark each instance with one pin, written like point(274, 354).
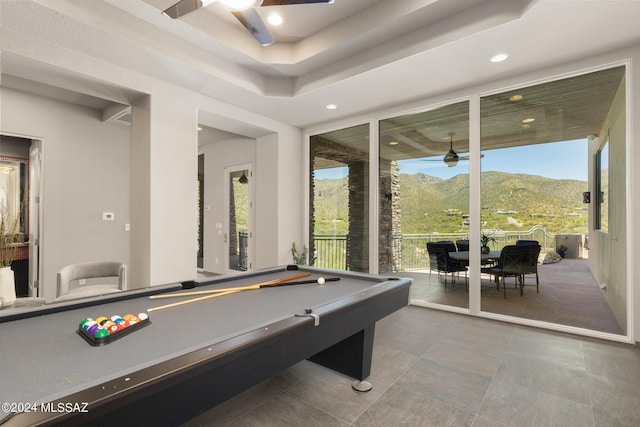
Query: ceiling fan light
point(451, 158)
point(238, 5)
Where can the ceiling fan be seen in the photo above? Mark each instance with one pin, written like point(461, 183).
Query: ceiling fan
point(244, 10)
point(451, 158)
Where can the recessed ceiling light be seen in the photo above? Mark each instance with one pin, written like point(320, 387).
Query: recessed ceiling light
point(332, 107)
point(199, 128)
point(393, 142)
point(529, 120)
point(499, 57)
point(274, 19)
point(526, 126)
point(515, 98)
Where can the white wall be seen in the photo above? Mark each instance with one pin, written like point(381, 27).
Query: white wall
point(280, 164)
point(156, 172)
point(607, 250)
point(85, 172)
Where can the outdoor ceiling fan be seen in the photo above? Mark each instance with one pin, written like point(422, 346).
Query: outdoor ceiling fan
point(244, 10)
point(451, 158)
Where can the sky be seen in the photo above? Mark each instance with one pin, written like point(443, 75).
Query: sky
point(559, 160)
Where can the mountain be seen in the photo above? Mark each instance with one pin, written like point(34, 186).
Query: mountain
point(427, 203)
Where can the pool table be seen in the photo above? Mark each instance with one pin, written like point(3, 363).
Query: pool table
point(190, 357)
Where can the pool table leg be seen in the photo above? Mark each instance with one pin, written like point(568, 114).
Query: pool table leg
point(351, 356)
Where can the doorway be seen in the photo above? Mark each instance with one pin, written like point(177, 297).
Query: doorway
point(238, 218)
point(20, 195)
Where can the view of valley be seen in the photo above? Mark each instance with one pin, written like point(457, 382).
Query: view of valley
point(429, 204)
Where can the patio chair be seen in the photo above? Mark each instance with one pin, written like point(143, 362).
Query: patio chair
point(530, 265)
point(462, 245)
point(443, 263)
point(512, 263)
point(527, 242)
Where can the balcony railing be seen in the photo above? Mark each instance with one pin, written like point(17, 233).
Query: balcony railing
point(330, 251)
point(410, 250)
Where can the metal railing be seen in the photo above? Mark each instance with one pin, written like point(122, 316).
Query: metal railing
point(410, 250)
point(330, 251)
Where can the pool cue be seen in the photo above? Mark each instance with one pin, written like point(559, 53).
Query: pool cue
point(228, 291)
point(239, 288)
point(162, 307)
point(242, 288)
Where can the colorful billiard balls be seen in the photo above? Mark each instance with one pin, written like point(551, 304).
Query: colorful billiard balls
point(103, 326)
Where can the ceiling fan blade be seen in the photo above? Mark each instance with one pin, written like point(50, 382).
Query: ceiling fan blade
point(288, 2)
point(182, 8)
point(252, 22)
point(467, 157)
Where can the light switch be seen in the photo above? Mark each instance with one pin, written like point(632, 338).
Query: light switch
point(108, 216)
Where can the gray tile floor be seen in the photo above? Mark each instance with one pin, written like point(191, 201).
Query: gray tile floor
point(433, 368)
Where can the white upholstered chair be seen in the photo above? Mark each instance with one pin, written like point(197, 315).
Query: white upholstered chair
point(91, 279)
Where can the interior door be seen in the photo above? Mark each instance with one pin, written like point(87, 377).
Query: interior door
point(238, 218)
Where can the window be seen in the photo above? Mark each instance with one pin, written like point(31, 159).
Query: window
point(339, 199)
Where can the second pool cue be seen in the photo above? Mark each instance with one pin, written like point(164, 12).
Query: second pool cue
point(239, 288)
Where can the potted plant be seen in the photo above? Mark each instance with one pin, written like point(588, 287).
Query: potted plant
point(485, 239)
point(300, 255)
point(561, 250)
point(10, 237)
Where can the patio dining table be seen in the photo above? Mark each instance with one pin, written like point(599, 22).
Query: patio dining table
point(464, 256)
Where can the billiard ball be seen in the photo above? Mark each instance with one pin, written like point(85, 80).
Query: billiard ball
point(101, 333)
point(320, 280)
point(88, 324)
point(142, 316)
point(106, 325)
point(88, 319)
point(130, 318)
point(123, 325)
point(113, 329)
point(102, 319)
point(93, 328)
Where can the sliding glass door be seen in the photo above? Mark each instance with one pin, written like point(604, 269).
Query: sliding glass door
point(543, 179)
point(424, 200)
point(550, 173)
